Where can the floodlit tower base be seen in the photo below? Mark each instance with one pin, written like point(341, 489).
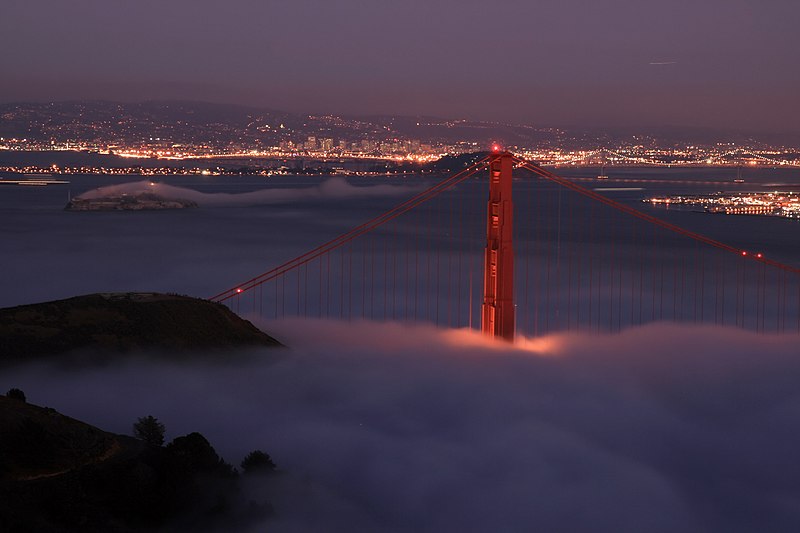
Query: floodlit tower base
point(497, 311)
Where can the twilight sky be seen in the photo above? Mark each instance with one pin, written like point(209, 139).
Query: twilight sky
point(706, 63)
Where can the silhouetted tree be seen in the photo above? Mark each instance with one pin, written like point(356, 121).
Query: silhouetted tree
point(257, 461)
point(194, 453)
point(16, 394)
point(150, 430)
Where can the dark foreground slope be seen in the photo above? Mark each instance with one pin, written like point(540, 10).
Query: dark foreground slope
point(60, 474)
point(121, 322)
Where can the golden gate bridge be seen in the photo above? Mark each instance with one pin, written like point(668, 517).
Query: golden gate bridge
point(557, 256)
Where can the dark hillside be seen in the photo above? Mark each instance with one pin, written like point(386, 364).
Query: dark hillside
point(60, 474)
point(122, 322)
point(38, 442)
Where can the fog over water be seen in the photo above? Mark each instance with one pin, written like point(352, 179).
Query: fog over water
point(391, 427)
point(239, 229)
point(244, 225)
point(329, 189)
point(386, 427)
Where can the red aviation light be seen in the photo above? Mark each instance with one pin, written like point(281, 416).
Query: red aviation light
point(744, 253)
point(238, 291)
point(495, 147)
point(759, 255)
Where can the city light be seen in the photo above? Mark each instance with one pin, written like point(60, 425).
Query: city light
point(775, 204)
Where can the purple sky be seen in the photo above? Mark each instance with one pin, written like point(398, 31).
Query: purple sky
point(709, 63)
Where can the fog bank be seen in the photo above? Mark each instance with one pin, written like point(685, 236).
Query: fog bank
point(336, 188)
point(387, 427)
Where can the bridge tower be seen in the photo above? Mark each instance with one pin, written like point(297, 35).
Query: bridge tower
point(497, 311)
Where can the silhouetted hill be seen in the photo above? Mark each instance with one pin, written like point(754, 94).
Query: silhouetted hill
point(38, 442)
point(122, 322)
point(60, 474)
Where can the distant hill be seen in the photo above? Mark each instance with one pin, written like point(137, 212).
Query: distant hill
point(114, 323)
point(59, 474)
point(221, 125)
point(103, 121)
point(182, 123)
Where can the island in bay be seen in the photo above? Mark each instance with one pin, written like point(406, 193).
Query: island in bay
point(145, 201)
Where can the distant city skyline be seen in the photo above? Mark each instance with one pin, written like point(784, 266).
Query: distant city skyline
point(716, 64)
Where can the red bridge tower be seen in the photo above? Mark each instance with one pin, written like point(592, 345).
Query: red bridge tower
point(497, 312)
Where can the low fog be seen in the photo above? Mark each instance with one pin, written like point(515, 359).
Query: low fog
point(336, 188)
point(387, 427)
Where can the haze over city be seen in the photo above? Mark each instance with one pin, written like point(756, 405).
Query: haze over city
point(711, 64)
